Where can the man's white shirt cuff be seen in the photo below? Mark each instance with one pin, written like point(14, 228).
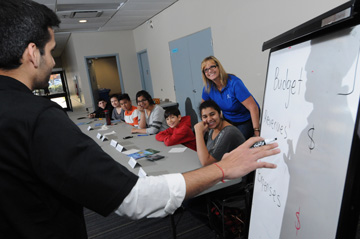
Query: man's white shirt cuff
point(154, 196)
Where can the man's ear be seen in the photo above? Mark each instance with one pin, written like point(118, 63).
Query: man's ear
point(33, 54)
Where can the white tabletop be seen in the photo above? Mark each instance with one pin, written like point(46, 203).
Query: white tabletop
point(171, 163)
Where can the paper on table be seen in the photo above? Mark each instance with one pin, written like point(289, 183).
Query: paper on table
point(177, 150)
point(112, 132)
point(130, 151)
point(104, 127)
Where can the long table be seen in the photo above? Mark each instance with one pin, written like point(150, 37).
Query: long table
point(171, 163)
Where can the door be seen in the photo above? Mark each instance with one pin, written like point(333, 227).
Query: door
point(145, 75)
point(104, 76)
point(187, 54)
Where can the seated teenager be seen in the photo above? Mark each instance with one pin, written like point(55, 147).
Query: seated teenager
point(131, 113)
point(151, 116)
point(222, 136)
point(117, 112)
point(100, 112)
point(179, 131)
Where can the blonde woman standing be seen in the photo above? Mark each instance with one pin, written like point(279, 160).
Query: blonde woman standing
point(238, 105)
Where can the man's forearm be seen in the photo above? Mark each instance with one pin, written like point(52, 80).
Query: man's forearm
point(235, 164)
point(142, 122)
point(202, 151)
point(201, 179)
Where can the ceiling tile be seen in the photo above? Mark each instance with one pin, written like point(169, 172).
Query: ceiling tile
point(131, 15)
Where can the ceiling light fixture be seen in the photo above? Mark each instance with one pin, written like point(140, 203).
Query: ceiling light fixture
point(82, 21)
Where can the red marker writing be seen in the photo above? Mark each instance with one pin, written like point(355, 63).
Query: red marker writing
point(297, 224)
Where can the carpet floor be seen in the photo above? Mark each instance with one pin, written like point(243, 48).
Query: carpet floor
point(114, 226)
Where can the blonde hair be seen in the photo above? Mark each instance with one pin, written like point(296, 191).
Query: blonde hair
point(223, 75)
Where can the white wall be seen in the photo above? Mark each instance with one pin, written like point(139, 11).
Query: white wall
point(85, 44)
point(238, 27)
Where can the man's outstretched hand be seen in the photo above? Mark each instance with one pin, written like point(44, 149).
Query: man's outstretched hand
point(244, 159)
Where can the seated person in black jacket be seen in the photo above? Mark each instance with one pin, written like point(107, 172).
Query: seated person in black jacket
point(100, 112)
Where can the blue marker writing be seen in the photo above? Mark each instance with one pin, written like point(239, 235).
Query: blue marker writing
point(263, 142)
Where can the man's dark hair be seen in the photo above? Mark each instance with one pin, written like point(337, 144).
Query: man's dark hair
point(171, 111)
point(23, 22)
point(209, 104)
point(124, 97)
point(146, 95)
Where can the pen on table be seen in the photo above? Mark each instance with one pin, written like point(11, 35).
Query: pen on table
point(142, 135)
point(263, 142)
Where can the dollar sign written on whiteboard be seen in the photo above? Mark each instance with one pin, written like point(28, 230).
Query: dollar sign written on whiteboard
point(311, 136)
point(297, 224)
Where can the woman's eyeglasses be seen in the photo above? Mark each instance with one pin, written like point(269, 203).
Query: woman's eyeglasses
point(141, 101)
point(206, 70)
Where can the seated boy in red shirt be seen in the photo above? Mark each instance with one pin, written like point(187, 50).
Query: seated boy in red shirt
point(179, 131)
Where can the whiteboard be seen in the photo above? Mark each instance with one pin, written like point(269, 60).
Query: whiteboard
point(310, 105)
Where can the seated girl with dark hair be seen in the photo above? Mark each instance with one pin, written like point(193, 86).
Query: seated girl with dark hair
point(151, 116)
point(117, 112)
point(222, 137)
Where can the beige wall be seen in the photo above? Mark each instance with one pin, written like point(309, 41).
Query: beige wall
point(85, 44)
point(239, 29)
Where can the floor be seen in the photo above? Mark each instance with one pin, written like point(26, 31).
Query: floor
point(114, 226)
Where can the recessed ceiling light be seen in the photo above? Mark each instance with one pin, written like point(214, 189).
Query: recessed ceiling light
point(82, 21)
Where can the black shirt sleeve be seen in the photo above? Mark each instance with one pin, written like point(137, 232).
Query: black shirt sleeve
point(75, 166)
